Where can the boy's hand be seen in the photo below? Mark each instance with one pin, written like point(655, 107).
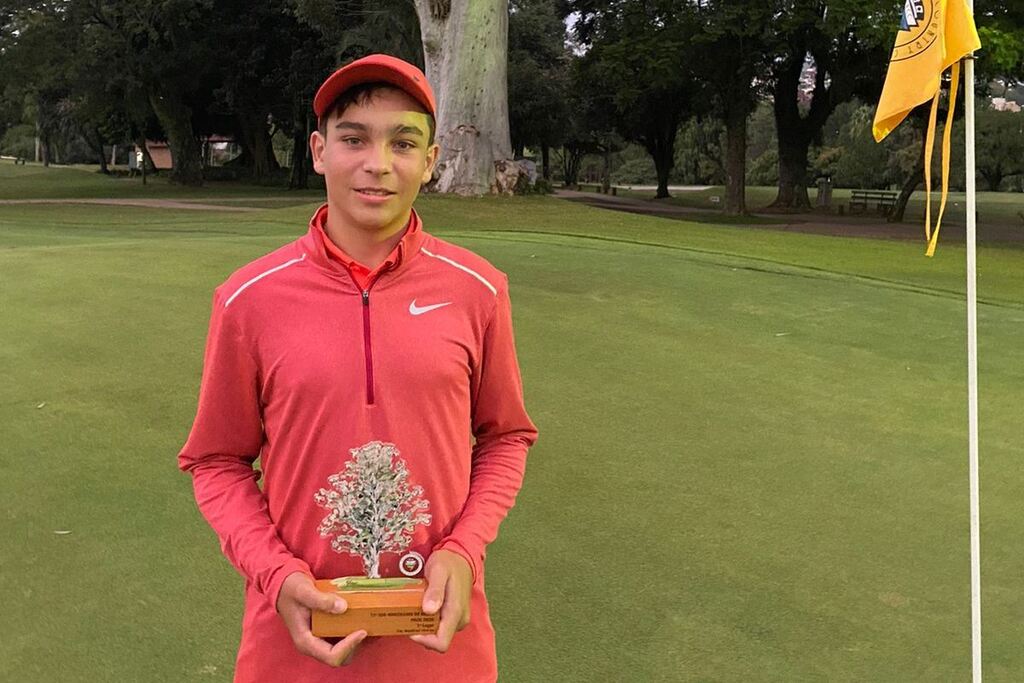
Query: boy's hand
point(295, 604)
point(449, 588)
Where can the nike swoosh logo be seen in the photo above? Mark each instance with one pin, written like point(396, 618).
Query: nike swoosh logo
point(420, 310)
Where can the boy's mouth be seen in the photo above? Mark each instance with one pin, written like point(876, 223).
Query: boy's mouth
point(374, 191)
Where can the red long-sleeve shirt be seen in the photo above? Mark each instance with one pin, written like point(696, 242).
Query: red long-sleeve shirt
point(301, 368)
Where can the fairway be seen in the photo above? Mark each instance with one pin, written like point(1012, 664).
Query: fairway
point(752, 463)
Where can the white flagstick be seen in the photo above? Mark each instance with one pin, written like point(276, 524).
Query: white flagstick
point(972, 368)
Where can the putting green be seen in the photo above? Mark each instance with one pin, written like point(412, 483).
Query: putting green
point(752, 460)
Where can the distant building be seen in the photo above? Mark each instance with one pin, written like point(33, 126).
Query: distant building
point(159, 152)
point(1003, 104)
point(217, 150)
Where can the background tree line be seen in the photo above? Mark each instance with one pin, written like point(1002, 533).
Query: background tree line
point(725, 92)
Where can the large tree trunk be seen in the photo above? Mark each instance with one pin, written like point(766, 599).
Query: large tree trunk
point(792, 188)
point(301, 129)
point(572, 157)
point(660, 142)
point(662, 167)
point(45, 149)
point(606, 172)
point(298, 178)
point(912, 182)
point(795, 130)
point(545, 155)
point(176, 118)
point(792, 131)
point(465, 46)
point(736, 157)
point(42, 145)
point(97, 144)
point(255, 140)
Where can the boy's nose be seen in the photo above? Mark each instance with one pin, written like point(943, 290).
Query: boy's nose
point(377, 159)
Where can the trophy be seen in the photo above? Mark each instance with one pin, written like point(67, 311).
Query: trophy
point(372, 510)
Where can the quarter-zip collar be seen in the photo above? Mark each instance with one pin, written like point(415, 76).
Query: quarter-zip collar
point(325, 254)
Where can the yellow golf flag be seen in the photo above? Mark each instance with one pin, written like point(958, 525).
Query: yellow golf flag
point(933, 35)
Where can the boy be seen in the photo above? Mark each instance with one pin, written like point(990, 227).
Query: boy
point(365, 338)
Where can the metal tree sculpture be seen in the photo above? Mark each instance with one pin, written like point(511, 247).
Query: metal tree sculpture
point(372, 508)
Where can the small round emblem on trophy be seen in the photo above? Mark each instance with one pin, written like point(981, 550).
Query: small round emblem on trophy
point(411, 564)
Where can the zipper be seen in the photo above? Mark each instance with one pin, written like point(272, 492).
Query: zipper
point(367, 347)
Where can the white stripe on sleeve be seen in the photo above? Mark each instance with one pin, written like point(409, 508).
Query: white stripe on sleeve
point(262, 275)
point(461, 267)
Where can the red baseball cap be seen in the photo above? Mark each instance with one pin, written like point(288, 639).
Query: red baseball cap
point(371, 68)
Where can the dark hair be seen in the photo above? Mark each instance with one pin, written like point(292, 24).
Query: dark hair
point(361, 94)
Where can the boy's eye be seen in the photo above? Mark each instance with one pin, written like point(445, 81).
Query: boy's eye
point(405, 144)
point(351, 141)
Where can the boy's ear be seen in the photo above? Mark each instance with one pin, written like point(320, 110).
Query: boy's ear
point(316, 148)
point(433, 152)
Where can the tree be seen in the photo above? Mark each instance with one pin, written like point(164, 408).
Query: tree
point(639, 53)
point(538, 77)
point(163, 54)
point(589, 126)
point(731, 51)
point(827, 53)
point(372, 508)
point(700, 152)
point(999, 145)
point(1001, 29)
point(465, 48)
point(251, 76)
point(849, 153)
point(32, 40)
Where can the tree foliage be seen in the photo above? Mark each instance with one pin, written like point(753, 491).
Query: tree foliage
point(825, 53)
point(538, 76)
point(999, 145)
point(679, 78)
point(733, 52)
point(638, 53)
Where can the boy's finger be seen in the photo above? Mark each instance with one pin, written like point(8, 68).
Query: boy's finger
point(449, 624)
point(433, 597)
point(314, 647)
point(344, 650)
point(440, 641)
point(322, 602)
point(431, 642)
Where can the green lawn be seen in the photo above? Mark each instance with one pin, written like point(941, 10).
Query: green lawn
point(752, 461)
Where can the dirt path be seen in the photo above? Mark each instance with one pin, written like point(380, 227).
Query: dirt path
point(812, 223)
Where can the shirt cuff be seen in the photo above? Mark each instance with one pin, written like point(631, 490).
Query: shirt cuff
point(280, 574)
point(457, 548)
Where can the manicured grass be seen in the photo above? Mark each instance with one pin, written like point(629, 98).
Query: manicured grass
point(752, 462)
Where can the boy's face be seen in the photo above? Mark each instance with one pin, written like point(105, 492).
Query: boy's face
point(374, 157)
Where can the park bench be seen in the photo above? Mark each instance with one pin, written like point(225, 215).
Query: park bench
point(883, 200)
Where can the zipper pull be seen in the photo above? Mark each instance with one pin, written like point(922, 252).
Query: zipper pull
point(366, 297)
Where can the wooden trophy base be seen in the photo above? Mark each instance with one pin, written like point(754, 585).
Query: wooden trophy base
point(381, 607)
